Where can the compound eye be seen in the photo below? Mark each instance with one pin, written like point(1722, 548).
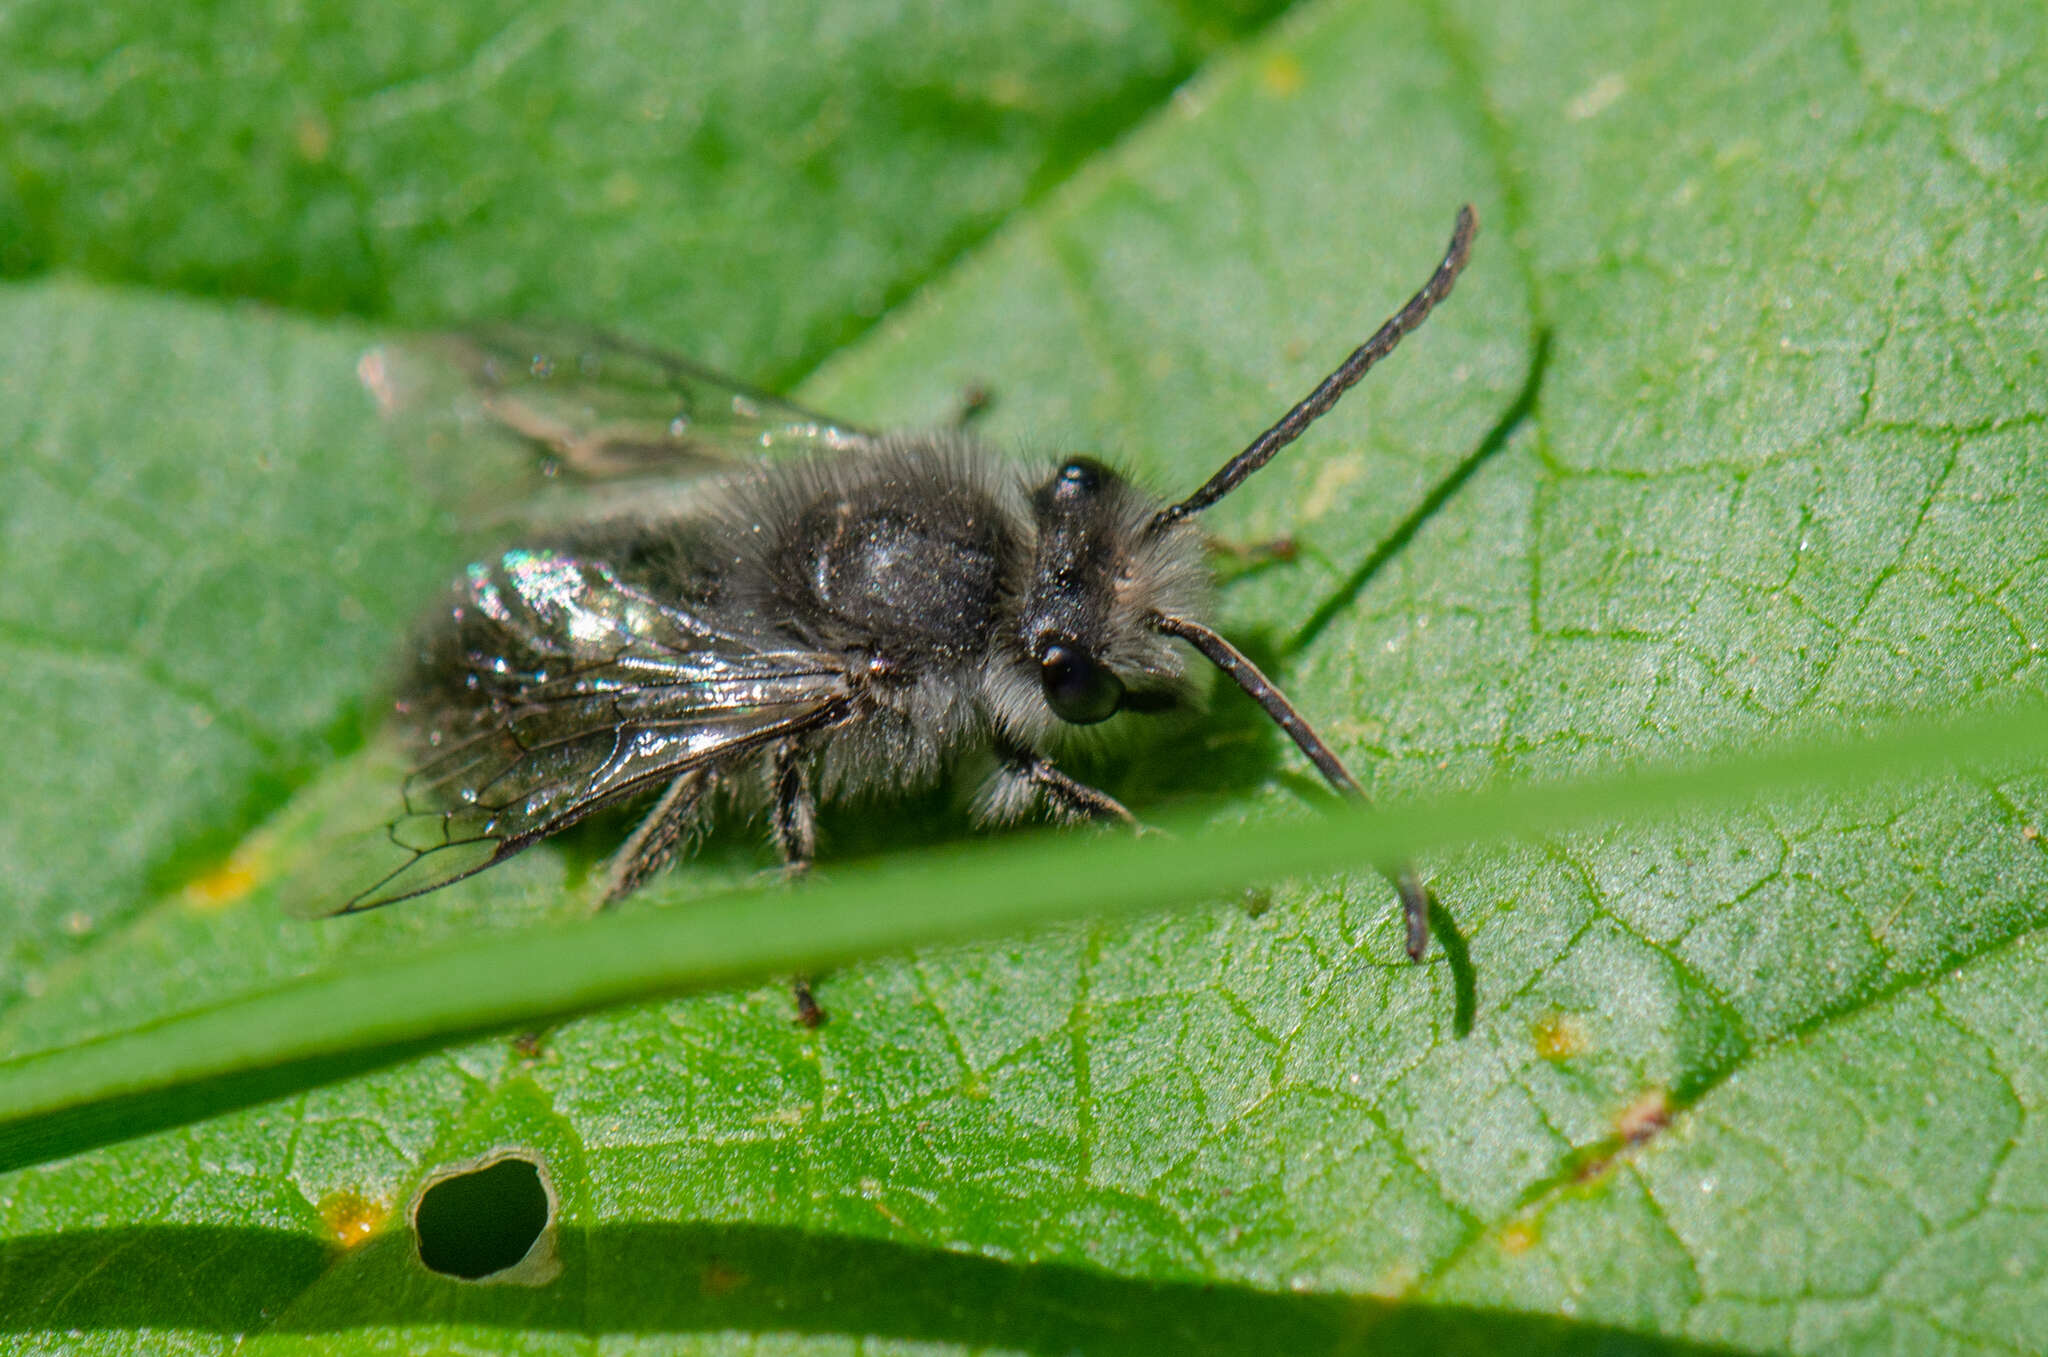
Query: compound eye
point(1078, 689)
point(1082, 473)
point(1078, 478)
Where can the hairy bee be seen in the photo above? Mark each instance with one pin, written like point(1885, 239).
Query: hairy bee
point(779, 632)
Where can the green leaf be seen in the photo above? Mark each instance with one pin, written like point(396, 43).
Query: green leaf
point(763, 182)
point(1733, 431)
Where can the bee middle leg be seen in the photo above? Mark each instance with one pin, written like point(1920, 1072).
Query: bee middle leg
point(794, 814)
point(666, 830)
point(794, 809)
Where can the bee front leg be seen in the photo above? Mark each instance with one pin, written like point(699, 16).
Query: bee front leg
point(1027, 776)
point(794, 812)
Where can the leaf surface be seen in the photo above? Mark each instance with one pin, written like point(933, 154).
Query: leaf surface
point(1733, 431)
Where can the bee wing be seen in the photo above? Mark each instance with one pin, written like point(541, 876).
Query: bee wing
point(577, 691)
point(598, 406)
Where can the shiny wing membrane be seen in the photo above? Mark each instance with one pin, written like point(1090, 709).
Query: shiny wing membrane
point(556, 689)
point(593, 406)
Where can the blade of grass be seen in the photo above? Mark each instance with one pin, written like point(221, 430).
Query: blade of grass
point(325, 1025)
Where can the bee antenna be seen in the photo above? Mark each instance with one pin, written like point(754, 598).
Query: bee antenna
point(1318, 402)
point(1232, 661)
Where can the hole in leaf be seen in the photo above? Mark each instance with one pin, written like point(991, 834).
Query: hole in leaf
point(487, 1222)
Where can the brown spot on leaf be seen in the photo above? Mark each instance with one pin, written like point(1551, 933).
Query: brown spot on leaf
point(1644, 1117)
point(719, 1280)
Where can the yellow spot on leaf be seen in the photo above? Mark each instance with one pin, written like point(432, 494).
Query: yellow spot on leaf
point(1007, 89)
point(1595, 99)
point(1520, 1236)
point(241, 873)
point(314, 138)
point(1335, 474)
point(1393, 1284)
point(350, 1217)
point(1281, 74)
point(1559, 1036)
point(621, 190)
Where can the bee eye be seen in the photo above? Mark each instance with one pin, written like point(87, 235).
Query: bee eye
point(1078, 689)
point(1083, 474)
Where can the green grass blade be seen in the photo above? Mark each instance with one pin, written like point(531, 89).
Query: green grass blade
point(262, 1045)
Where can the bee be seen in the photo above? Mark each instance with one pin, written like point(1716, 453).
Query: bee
point(820, 613)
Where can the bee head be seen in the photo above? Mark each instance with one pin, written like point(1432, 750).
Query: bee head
point(1116, 572)
point(1098, 577)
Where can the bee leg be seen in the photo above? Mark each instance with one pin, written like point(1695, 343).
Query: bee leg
point(1069, 799)
point(795, 810)
point(665, 830)
point(795, 817)
point(1414, 893)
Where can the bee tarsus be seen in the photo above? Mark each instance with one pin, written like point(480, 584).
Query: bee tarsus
point(808, 1014)
point(1415, 905)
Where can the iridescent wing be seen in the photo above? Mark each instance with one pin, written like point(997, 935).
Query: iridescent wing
point(598, 406)
point(553, 689)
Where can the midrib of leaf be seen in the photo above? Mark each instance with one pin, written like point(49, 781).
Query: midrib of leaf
point(521, 34)
point(1058, 182)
